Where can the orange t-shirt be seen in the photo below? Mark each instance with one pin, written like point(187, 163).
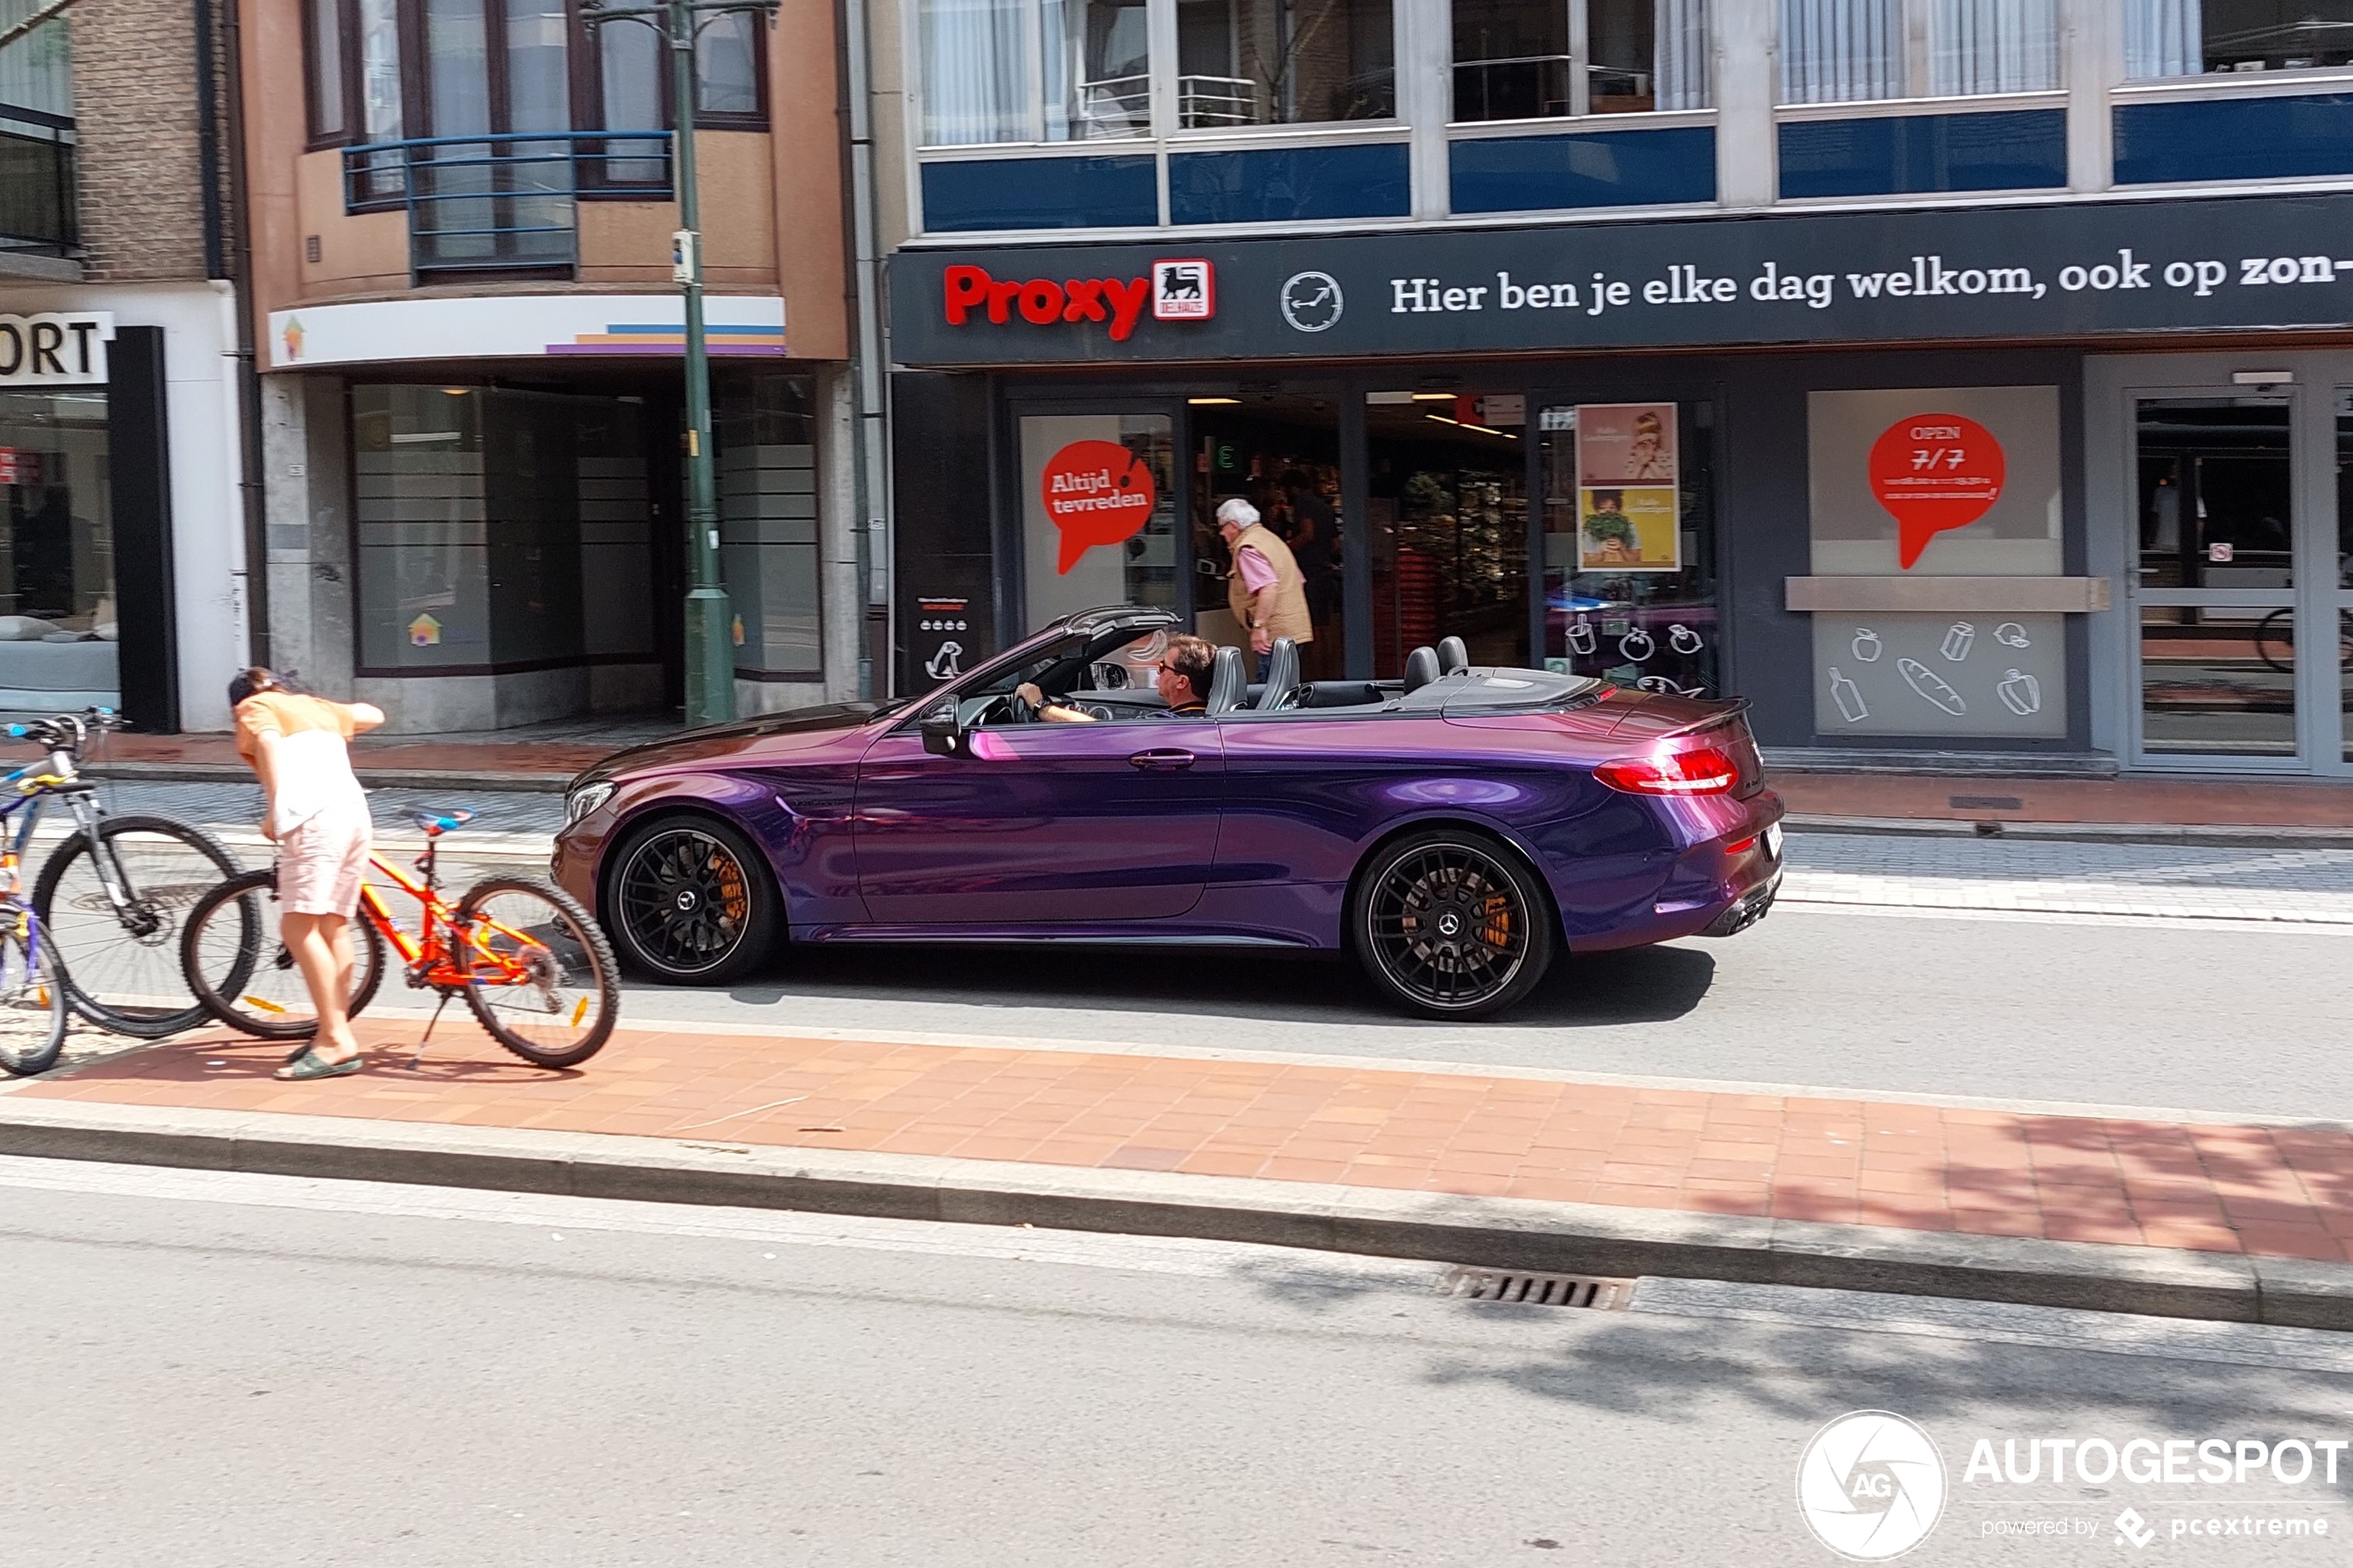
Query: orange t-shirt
point(314, 764)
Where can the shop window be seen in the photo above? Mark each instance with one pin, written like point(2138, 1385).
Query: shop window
point(1078, 70)
point(1098, 512)
point(1851, 51)
point(1448, 515)
point(2190, 37)
point(499, 530)
point(1281, 452)
point(59, 626)
point(1946, 481)
point(1518, 59)
point(768, 525)
point(1629, 545)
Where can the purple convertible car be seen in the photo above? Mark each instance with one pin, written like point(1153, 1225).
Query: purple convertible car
point(1454, 829)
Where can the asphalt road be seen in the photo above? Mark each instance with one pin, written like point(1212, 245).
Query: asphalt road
point(205, 1369)
point(2207, 1017)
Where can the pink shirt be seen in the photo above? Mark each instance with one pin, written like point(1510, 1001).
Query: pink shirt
point(1257, 576)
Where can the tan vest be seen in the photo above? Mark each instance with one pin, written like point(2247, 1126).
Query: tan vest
point(1289, 618)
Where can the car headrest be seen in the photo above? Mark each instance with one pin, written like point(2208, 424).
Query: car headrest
point(1226, 682)
point(1452, 655)
point(1282, 674)
point(1421, 668)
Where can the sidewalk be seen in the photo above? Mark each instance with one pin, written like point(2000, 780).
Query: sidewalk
point(2215, 810)
point(2184, 1218)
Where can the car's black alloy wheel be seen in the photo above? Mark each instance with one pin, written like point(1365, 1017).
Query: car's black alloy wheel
point(1452, 925)
point(692, 902)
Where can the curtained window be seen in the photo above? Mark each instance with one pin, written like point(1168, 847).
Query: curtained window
point(1858, 51)
point(1518, 59)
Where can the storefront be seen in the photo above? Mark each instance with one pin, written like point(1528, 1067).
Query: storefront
point(2044, 485)
point(120, 558)
point(491, 534)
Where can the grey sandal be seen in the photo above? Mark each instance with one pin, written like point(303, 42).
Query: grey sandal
point(310, 1064)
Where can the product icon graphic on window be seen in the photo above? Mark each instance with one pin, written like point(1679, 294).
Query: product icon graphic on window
point(1958, 641)
point(2021, 693)
point(1682, 639)
point(1865, 647)
point(1932, 687)
point(2011, 634)
point(1848, 696)
point(1582, 638)
point(1637, 646)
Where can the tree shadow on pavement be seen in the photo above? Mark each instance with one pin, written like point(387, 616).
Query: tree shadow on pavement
point(1676, 1369)
point(1639, 985)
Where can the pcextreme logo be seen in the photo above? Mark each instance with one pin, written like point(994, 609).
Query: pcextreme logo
point(1178, 290)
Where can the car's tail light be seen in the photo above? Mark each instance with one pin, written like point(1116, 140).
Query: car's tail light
point(1703, 770)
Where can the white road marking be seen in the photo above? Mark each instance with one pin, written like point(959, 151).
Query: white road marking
point(559, 1213)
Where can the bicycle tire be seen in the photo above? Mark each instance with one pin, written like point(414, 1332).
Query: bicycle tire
point(2266, 638)
point(593, 962)
point(129, 1003)
point(32, 1000)
point(225, 988)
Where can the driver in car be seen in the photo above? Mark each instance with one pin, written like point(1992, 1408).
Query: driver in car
point(1184, 685)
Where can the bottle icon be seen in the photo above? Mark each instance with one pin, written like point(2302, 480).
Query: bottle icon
point(2021, 693)
point(1866, 646)
point(2011, 634)
point(1580, 636)
point(1957, 641)
point(1848, 697)
point(1682, 639)
point(1636, 645)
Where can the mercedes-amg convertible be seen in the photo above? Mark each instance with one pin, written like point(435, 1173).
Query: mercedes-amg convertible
point(1454, 829)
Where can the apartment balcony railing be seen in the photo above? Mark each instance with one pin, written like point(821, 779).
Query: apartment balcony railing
point(37, 201)
point(503, 203)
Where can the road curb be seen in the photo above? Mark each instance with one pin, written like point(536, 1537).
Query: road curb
point(2204, 836)
point(1486, 1232)
point(372, 778)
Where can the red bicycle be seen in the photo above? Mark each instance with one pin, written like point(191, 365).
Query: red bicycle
point(534, 968)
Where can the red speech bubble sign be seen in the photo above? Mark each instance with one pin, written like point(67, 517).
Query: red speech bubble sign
point(1934, 471)
point(1096, 493)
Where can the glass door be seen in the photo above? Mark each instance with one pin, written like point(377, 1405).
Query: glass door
point(2218, 580)
point(1447, 504)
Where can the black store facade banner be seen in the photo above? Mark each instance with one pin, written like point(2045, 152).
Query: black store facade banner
point(1985, 273)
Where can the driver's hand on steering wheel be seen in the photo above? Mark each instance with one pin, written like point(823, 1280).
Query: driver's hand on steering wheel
point(1029, 693)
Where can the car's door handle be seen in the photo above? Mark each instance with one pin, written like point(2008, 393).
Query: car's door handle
point(1164, 762)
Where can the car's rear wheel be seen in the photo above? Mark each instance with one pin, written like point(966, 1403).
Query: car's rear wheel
point(690, 902)
point(1452, 924)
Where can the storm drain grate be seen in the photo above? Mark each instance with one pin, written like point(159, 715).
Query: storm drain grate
point(1537, 1290)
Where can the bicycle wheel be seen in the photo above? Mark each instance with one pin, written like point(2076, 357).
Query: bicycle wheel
point(540, 975)
point(2275, 641)
point(32, 1003)
point(242, 974)
point(121, 967)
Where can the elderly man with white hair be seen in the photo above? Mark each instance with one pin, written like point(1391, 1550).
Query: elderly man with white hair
point(1265, 589)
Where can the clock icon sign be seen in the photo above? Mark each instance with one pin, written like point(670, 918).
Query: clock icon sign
point(1312, 301)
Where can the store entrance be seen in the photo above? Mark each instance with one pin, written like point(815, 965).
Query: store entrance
point(1447, 508)
point(1281, 454)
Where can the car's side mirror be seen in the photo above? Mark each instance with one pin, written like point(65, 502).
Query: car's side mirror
point(942, 735)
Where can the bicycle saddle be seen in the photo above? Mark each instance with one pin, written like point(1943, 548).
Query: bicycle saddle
point(433, 823)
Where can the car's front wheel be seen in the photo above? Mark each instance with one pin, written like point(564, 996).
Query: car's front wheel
point(690, 901)
point(1451, 924)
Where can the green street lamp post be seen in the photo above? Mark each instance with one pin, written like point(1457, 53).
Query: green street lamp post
point(710, 645)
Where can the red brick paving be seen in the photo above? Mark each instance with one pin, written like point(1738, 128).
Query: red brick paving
point(2281, 1192)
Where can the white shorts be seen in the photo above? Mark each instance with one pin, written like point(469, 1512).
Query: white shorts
point(322, 859)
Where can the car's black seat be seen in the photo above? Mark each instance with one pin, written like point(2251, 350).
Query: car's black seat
point(1227, 684)
point(1421, 668)
point(1452, 655)
point(1282, 676)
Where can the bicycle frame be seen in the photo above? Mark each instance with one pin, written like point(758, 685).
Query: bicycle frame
point(431, 960)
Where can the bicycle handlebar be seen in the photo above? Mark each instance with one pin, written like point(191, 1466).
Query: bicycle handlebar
point(68, 732)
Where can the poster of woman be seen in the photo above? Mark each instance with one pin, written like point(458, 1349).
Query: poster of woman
point(1627, 493)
